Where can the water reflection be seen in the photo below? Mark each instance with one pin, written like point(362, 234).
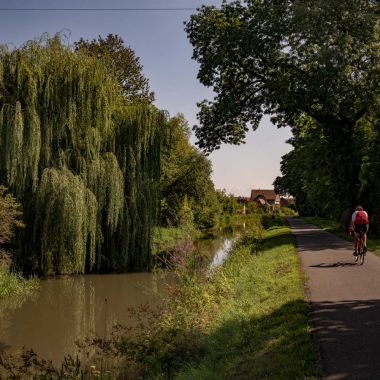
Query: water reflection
point(73, 308)
point(69, 309)
point(217, 248)
point(222, 253)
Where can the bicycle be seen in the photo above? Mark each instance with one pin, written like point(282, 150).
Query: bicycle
point(360, 249)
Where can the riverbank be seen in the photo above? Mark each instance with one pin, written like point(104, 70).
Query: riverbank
point(248, 319)
point(245, 319)
point(373, 243)
point(167, 239)
point(14, 285)
point(261, 329)
point(176, 240)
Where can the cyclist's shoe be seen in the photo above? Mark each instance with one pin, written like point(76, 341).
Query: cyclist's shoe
point(354, 254)
point(365, 250)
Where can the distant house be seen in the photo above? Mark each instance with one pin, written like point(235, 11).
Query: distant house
point(266, 197)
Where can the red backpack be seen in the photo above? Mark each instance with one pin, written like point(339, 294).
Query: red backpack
point(361, 217)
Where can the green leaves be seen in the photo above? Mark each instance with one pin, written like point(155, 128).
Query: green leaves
point(185, 180)
point(121, 63)
point(67, 219)
point(281, 58)
point(312, 65)
point(10, 213)
point(84, 165)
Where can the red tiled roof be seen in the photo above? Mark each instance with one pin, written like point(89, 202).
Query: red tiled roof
point(267, 194)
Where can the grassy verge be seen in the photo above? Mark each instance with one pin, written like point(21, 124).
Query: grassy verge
point(261, 329)
point(165, 238)
point(373, 243)
point(13, 285)
point(247, 319)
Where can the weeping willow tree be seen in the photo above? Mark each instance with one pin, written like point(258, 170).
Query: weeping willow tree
point(83, 164)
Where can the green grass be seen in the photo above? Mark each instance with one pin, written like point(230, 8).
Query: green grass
point(261, 330)
point(373, 243)
point(165, 238)
point(14, 285)
point(167, 234)
point(248, 319)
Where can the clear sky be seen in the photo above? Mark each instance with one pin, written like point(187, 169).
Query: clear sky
point(158, 38)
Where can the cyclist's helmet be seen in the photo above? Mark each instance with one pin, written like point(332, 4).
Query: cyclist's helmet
point(359, 208)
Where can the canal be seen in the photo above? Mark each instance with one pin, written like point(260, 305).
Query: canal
point(67, 310)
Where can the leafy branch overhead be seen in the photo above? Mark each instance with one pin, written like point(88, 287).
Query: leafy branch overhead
point(283, 58)
point(313, 65)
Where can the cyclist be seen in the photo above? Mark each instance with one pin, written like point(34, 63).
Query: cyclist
point(359, 223)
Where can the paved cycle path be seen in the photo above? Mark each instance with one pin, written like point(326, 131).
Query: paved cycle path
point(345, 303)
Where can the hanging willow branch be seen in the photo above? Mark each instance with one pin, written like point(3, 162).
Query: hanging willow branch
point(84, 165)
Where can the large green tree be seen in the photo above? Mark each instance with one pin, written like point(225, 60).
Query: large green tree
point(122, 63)
point(186, 179)
point(305, 172)
point(291, 59)
point(84, 165)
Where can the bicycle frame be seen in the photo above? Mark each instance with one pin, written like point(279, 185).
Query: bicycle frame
point(360, 248)
point(359, 240)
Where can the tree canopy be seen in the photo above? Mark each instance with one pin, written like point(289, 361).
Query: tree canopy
point(284, 58)
point(84, 165)
point(312, 65)
point(122, 63)
point(186, 179)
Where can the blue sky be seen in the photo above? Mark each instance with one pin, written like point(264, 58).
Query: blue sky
point(159, 40)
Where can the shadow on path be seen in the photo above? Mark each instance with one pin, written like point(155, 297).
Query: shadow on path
point(320, 240)
point(348, 335)
point(333, 265)
point(345, 303)
point(312, 238)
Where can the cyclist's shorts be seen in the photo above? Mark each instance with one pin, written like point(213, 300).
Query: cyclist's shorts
point(361, 228)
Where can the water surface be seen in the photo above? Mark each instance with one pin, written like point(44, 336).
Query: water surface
point(69, 309)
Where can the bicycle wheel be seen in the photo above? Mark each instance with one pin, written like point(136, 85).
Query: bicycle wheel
point(361, 253)
point(357, 249)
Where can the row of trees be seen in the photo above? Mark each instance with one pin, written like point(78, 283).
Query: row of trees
point(90, 158)
point(312, 65)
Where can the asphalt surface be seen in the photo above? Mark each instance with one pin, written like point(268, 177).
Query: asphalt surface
point(345, 303)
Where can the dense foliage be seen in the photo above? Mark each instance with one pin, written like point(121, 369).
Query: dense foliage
point(121, 62)
point(228, 203)
point(314, 66)
point(188, 192)
point(12, 285)
point(83, 164)
point(10, 213)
